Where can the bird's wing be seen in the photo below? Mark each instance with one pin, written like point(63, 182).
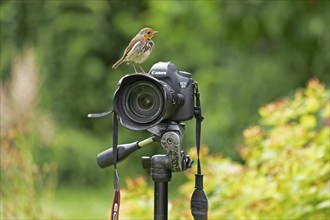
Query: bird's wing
point(131, 45)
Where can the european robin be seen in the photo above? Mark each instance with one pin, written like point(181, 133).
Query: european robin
point(139, 49)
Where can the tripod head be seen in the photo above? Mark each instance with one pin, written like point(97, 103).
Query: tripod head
point(169, 135)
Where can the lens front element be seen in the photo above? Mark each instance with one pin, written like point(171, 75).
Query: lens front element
point(144, 102)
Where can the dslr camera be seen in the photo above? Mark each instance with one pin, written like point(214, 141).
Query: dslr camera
point(165, 94)
point(158, 102)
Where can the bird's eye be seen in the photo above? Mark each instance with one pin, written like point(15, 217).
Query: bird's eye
point(148, 32)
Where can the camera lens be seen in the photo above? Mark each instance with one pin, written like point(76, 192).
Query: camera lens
point(144, 102)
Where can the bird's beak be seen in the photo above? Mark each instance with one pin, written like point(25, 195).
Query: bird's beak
point(155, 32)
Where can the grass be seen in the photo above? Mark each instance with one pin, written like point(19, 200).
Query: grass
point(79, 203)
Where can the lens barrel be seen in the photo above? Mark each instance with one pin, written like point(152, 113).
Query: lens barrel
point(142, 101)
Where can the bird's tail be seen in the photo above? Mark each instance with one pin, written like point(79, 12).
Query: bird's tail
point(120, 61)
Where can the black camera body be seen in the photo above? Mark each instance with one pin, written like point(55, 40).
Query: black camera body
point(182, 87)
point(164, 94)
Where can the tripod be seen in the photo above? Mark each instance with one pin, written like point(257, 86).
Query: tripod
point(161, 166)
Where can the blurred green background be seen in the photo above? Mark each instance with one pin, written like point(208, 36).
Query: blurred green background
point(56, 59)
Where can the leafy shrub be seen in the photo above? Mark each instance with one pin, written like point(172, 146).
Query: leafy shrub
point(25, 184)
point(285, 174)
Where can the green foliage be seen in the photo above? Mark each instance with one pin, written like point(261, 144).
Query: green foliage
point(138, 196)
point(25, 183)
point(285, 174)
point(242, 54)
point(76, 152)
